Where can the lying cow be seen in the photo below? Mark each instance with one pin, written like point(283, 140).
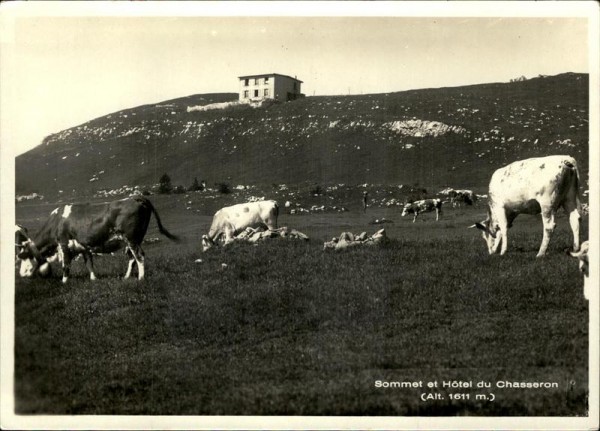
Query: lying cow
point(348, 239)
point(532, 186)
point(230, 221)
point(85, 229)
point(584, 266)
point(254, 235)
point(423, 206)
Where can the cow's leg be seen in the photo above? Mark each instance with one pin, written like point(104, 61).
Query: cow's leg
point(138, 254)
point(229, 235)
point(549, 225)
point(501, 234)
point(65, 257)
point(499, 240)
point(272, 223)
point(437, 214)
point(574, 221)
point(129, 254)
point(89, 263)
point(415, 217)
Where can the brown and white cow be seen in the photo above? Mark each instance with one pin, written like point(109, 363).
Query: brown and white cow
point(230, 221)
point(422, 206)
point(532, 186)
point(85, 229)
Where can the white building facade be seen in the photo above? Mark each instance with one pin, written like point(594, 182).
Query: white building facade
point(269, 86)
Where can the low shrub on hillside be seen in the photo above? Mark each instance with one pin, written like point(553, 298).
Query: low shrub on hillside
point(316, 190)
point(223, 188)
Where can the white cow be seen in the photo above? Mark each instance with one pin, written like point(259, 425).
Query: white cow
point(584, 267)
point(532, 186)
point(230, 221)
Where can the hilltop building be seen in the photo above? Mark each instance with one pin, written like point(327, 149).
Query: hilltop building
point(269, 86)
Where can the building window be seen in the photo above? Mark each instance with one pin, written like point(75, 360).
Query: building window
point(266, 79)
point(246, 94)
point(256, 81)
point(295, 86)
point(246, 82)
point(266, 92)
point(255, 93)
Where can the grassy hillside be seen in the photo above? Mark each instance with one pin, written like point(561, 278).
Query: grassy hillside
point(446, 136)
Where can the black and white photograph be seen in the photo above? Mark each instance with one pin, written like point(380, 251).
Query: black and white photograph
point(299, 215)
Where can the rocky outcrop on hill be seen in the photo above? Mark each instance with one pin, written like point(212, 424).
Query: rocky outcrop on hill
point(421, 128)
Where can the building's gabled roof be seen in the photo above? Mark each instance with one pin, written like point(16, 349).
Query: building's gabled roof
point(268, 74)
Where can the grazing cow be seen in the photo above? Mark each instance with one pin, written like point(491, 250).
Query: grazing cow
point(532, 186)
point(230, 221)
point(584, 266)
point(422, 206)
point(458, 197)
point(85, 229)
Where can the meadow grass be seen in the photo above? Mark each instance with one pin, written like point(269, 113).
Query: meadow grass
point(287, 328)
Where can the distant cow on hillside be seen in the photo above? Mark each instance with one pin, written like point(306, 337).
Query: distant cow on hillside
point(85, 229)
point(422, 206)
point(230, 221)
point(532, 186)
point(459, 197)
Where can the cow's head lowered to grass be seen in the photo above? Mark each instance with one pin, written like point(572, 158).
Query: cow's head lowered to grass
point(207, 243)
point(32, 261)
point(489, 234)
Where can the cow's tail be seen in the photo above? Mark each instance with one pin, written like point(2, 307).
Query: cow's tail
point(161, 228)
point(578, 190)
point(276, 212)
point(578, 198)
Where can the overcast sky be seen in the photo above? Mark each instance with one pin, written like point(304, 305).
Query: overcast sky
point(58, 72)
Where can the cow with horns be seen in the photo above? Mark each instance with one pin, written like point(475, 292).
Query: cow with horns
point(532, 186)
